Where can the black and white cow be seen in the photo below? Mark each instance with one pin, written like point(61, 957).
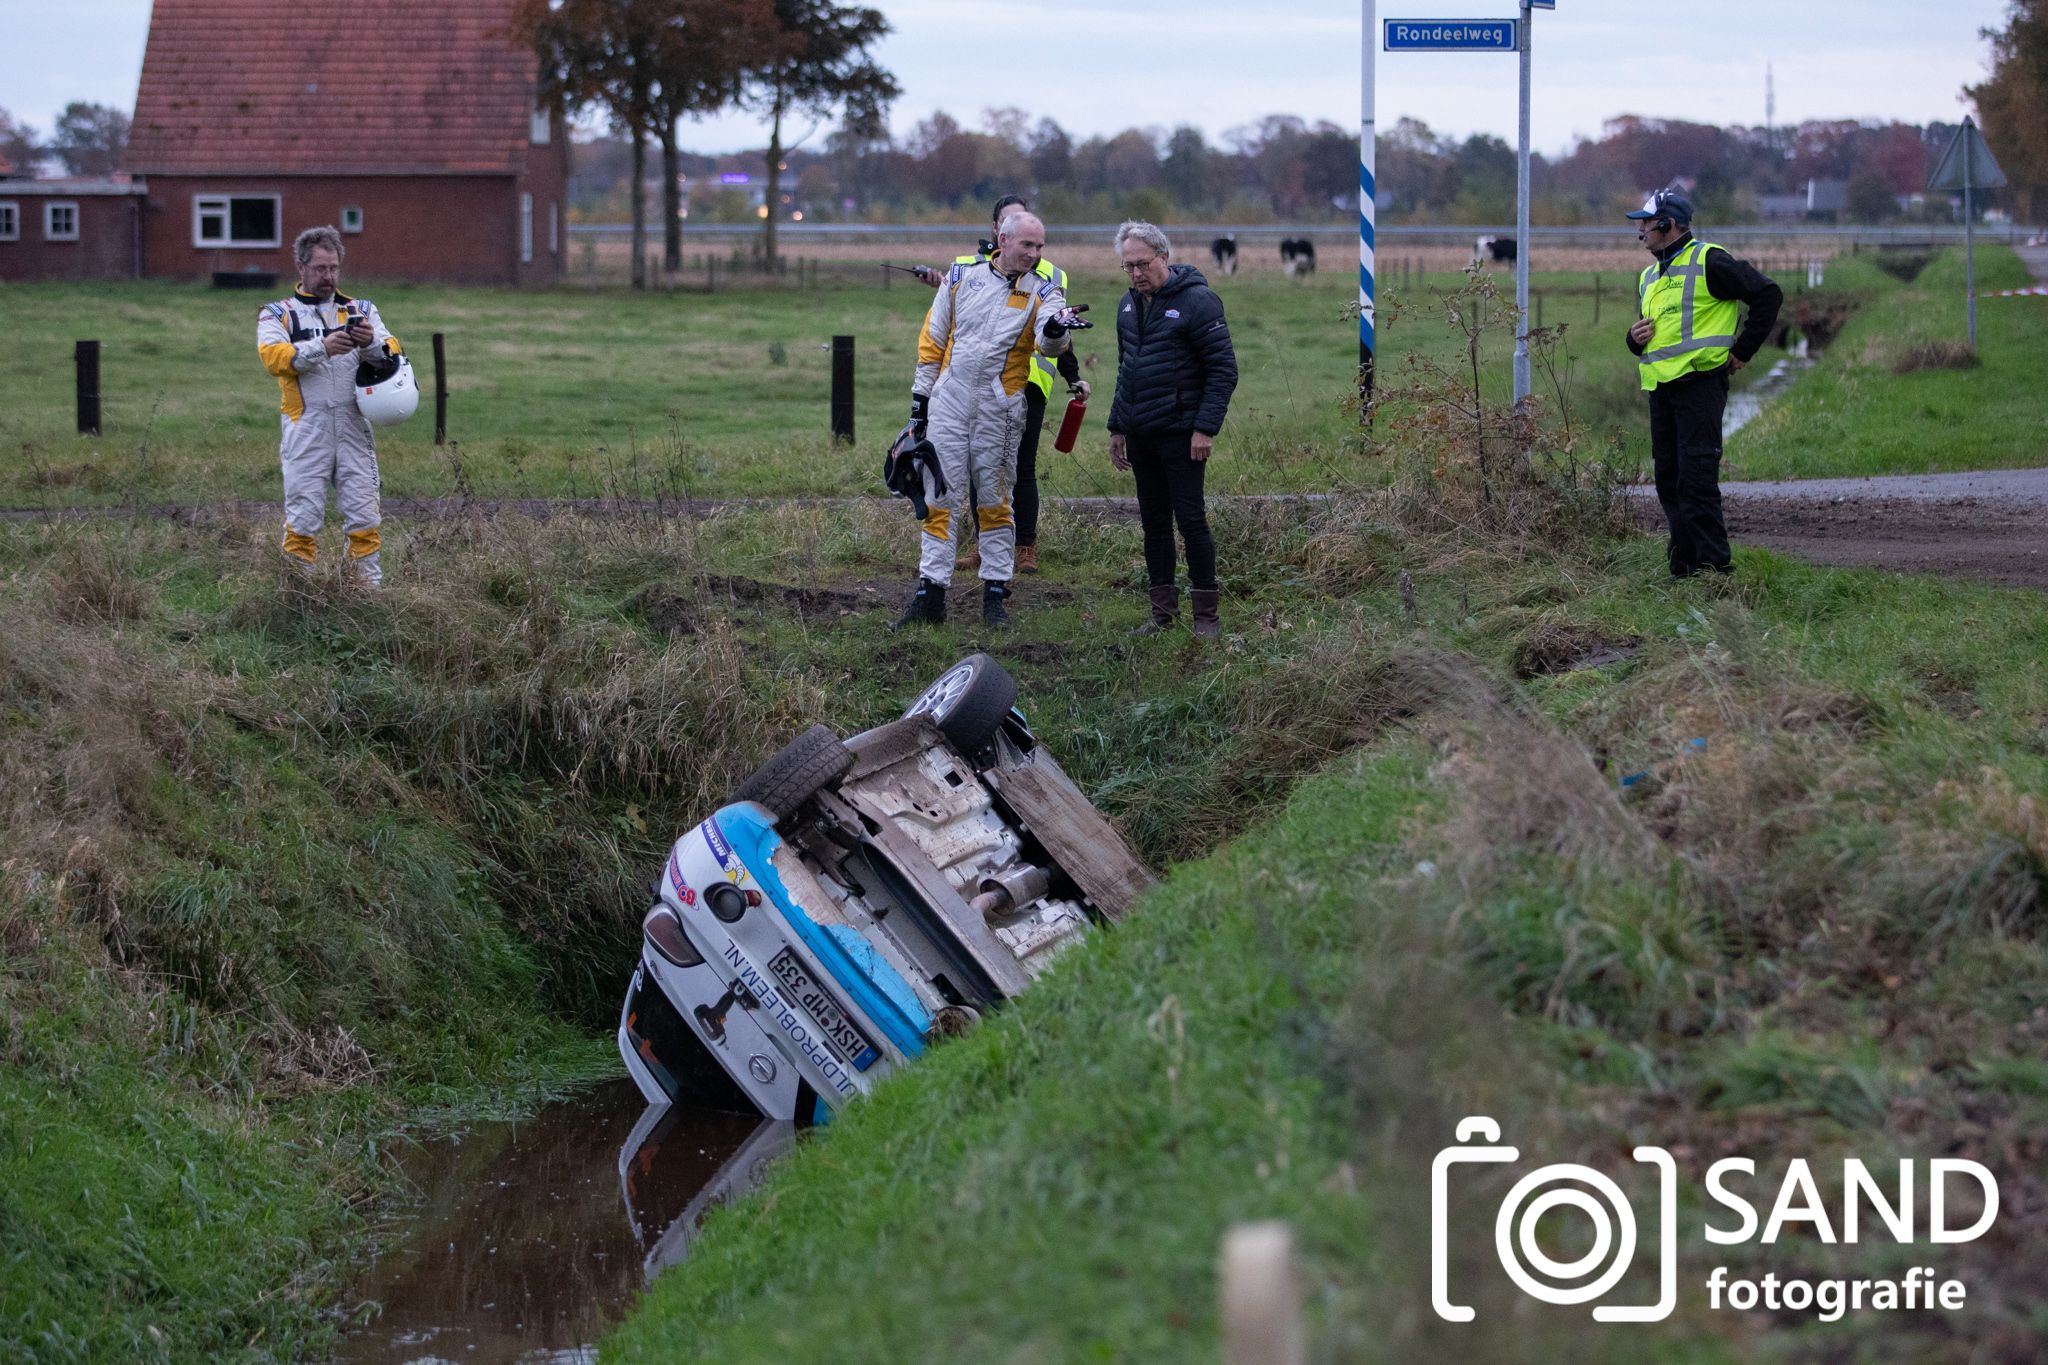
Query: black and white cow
point(1224, 252)
point(1297, 255)
point(1493, 249)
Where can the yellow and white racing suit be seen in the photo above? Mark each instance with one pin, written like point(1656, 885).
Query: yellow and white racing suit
point(974, 361)
point(325, 440)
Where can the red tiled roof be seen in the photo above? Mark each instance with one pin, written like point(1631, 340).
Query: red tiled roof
point(361, 87)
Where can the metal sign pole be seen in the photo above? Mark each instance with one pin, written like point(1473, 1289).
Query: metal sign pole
point(1367, 156)
point(1970, 252)
point(1522, 224)
point(1968, 166)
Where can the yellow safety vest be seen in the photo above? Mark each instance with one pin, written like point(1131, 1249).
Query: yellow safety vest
point(1043, 371)
point(1695, 330)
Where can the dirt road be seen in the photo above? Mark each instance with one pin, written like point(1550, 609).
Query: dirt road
point(1990, 527)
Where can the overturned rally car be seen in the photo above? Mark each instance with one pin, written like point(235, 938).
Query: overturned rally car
point(860, 898)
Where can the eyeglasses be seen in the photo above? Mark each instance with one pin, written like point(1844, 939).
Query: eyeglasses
point(1145, 264)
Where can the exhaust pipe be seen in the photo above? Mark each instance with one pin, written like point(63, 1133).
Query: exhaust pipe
point(1012, 891)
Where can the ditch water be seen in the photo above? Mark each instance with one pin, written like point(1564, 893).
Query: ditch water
point(531, 1238)
point(1746, 404)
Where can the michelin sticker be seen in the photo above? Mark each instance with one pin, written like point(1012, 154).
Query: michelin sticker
point(735, 870)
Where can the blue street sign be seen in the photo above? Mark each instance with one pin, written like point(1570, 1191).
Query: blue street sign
point(1542, 4)
point(1450, 35)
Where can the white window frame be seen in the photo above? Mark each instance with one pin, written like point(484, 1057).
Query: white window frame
point(525, 229)
point(352, 218)
point(554, 228)
point(224, 206)
point(542, 130)
point(10, 220)
point(51, 208)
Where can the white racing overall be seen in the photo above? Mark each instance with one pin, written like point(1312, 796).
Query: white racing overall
point(974, 360)
point(325, 440)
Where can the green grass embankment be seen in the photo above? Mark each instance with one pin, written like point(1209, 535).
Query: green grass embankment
point(1900, 392)
point(1814, 934)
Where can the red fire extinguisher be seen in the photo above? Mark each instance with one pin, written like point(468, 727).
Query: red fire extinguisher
point(1070, 425)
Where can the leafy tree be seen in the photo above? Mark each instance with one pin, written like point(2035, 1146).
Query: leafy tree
point(602, 52)
point(2013, 103)
point(699, 54)
point(90, 139)
point(647, 64)
point(1188, 169)
point(815, 61)
point(1052, 154)
point(20, 146)
point(1868, 199)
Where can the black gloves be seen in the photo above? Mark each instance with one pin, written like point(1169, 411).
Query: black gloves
point(1067, 320)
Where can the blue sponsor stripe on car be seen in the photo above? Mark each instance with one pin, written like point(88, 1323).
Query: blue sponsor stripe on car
point(752, 842)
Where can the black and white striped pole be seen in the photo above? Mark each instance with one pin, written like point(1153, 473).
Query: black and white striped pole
point(1367, 155)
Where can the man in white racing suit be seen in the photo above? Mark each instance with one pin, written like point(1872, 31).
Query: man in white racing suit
point(312, 341)
point(973, 365)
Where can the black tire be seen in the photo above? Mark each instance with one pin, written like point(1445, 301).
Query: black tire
point(968, 702)
point(797, 772)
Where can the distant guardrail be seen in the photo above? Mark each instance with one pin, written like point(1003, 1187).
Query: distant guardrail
point(793, 235)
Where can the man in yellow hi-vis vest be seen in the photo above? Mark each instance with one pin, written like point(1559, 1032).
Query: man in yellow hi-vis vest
point(1687, 344)
point(1067, 368)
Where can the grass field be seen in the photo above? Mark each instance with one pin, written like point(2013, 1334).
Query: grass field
point(582, 393)
point(1899, 392)
point(292, 870)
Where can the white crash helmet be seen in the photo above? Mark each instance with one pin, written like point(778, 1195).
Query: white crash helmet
point(386, 394)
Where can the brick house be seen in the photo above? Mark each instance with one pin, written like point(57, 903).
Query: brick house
point(70, 229)
point(412, 127)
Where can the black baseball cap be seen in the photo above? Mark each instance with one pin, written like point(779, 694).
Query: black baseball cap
point(1671, 203)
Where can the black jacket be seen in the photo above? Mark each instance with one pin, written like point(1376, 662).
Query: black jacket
point(1175, 368)
point(1731, 277)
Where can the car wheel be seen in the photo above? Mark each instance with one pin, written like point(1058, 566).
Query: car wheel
point(968, 702)
point(798, 771)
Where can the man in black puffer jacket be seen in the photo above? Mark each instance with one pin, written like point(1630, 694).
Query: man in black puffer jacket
point(1175, 372)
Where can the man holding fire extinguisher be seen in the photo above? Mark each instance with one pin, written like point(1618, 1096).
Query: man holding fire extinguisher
point(973, 367)
point(1043, 370)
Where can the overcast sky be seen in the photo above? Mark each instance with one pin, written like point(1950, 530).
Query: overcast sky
point(1101, 67)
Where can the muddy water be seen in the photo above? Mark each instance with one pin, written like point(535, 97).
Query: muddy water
point(1747, 403)
point(532, 1237)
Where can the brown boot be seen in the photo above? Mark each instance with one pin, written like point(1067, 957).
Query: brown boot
point(1165, 611)
point(1203, 601)
point(1027, 559)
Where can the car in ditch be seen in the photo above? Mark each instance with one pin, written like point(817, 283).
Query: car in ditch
point(859, 899)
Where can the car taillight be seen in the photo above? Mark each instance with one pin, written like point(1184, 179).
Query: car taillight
point(665, 932)
point(727, 901)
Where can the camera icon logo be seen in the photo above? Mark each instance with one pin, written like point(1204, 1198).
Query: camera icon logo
point(1561, 1185)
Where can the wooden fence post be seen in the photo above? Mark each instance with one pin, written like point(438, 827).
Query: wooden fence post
point(842, 389)
point(440, 392)
point(87, 355)
point(1259, 1299)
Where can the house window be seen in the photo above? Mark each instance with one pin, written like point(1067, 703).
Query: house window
point(235, 220)
point(60, 221)
point(525, 228)
point(10, 221)
point(352, 219)
point(543, 128)
point(554, 230)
